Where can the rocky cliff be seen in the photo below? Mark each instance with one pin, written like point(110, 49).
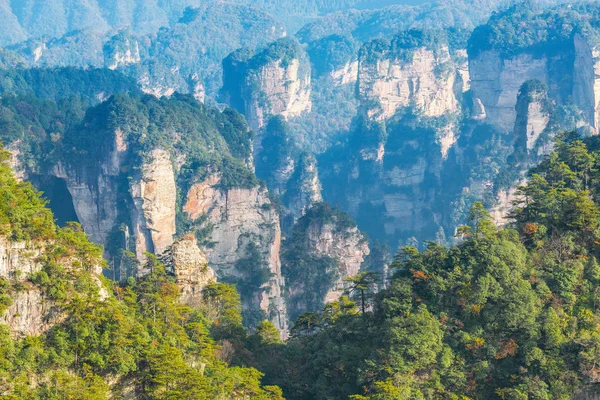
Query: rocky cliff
point(347, 247)
point(121, 51)
point(569, 68)
point(28, 314)
point(533, 110)
point(154, 197)
point(31, 312)
point(495, 84)
point(190, 266)
point(273, 82)
point(236, 219)
point(414, 74)
point(94, 188)
point(130, 198)
point(325, 247)
point(304, 187)
point(586, 80)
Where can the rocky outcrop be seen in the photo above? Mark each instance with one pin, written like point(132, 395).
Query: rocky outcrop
point(496, 81)
point(156, 87)
point(346, 75)
point(190, 266)
point(94, 189)
point(304, 187)
point(572, 75)
point(237, 217)
point(121, 51)
point(31, 312)
point(155, 204)
point(461, 59)
point(504, 204)
point(586, 78)
point(274, 82)
point(418, 78)
point(18, 259)
point(348, 247)
point(197, 88)
point(324, 248)
point(98, 200)
point(533, 114)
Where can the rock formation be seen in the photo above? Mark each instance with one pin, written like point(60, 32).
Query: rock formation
point(495, 84)
point(121, 51)
point(31, 312)
point(571, 74)
point(190, 266)
point(533, 110)
point(273, 82)
point(325, 248)
point(586, 80)
point(404, 76)
point(347, 247)
point(235, 218)
point(304, 187)
point(94, 189)
point(155, 200)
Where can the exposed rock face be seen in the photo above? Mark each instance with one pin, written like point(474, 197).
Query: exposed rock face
point(496, 81)
point(190, 266)
point(197, 88)
point(238, 217)
point(18, 259)
point(96, 197)
point(420, 78)
point(15, 163)
point(155, 200)
point(31, 313)
point(348, 74)
point(94, 189)
point(304, 187)
point(156, 88)
point(325, 248)
point(586, 77)
point(268, 84)
point(348, 248)
point(504, 204)
point(573, 74)
point(533, 113)
point(126, 53)
point(461, 60)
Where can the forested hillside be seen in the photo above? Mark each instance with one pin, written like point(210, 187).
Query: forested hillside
point(269, 199)
point(508, 313)
point(26, 19)
point(104, 338)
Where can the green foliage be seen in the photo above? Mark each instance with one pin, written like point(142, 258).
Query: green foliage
point(524, 27)
point(23, 215)
point(109, 337)
point(211, 141)
point(507, 313)
point(64, 83)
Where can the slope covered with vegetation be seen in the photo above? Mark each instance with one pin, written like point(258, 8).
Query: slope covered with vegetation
point(138, 339)
point(508, 313)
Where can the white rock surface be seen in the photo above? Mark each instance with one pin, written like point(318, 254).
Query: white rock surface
point(424, 83)
point(238, 216)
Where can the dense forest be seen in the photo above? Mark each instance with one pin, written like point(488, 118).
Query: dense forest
point(508, 313)
point(377, 199)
